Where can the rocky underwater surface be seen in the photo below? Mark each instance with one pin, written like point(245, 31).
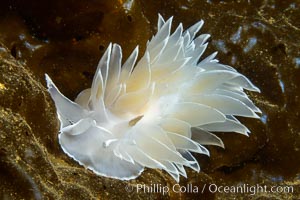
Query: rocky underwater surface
point(65, 39)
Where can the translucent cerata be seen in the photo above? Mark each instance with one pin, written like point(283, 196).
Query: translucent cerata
point(155, 111)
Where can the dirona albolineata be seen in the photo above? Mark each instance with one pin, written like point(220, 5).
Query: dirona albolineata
point(156, 111)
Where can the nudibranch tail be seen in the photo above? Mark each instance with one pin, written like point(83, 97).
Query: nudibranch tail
point(154, 112)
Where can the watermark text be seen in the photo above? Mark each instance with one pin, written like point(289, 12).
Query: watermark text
point(212, 188)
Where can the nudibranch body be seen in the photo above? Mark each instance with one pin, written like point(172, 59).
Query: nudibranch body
point(141, 114)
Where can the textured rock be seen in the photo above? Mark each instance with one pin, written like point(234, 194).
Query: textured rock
point(28, 125)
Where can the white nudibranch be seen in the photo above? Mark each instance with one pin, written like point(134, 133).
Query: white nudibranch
point(153, 113)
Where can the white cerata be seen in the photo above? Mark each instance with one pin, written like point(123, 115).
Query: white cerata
point(156, 111)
